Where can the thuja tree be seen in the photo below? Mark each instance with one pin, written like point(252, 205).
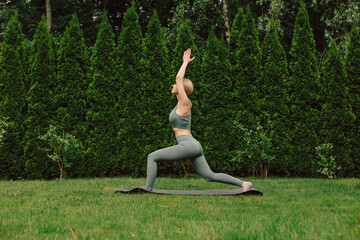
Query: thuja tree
point(156, 93)
point(70, 99)
point(352, 66)
point(102, 122)
point(40, 105)
point(336, 116)
point(304, 106)
point(246, 75)
point(247, 72)
point(215, 91)
point(275, 97)
point(13, 80)
point(234, 35)
point(129, 107)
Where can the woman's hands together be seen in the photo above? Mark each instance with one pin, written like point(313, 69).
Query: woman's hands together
point(186, 56)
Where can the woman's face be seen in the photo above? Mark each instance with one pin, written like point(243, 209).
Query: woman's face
point(174, 89)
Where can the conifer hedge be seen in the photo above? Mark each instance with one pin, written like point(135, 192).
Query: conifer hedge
point(117, 101)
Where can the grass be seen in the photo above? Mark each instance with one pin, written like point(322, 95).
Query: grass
point(88, 209)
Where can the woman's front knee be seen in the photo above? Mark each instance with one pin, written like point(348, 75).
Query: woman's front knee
point(151, 157)
point(209, 177)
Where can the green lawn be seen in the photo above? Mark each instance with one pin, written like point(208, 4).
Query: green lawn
point(88, 209)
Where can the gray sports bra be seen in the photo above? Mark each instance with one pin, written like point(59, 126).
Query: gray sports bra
point(182, 122)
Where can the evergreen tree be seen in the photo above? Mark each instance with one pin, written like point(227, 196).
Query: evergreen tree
point(156, 96)
point(336, 115)
point(129, 107)
point(70, 91)
point(247, 73)
point(234, 35)
point(215, 105)
point(352, 66)
point(13, 79)
point(102, 122)
point(304, 109)
point(40, 105)
point(275, 98)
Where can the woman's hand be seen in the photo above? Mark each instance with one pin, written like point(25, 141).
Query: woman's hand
point(186, 56)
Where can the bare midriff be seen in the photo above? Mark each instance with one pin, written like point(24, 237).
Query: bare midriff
point(179, 132)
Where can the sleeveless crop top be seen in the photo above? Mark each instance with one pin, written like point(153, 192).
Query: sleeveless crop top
point(182, 122)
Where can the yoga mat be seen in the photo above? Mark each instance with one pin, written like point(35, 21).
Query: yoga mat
point(237, 191)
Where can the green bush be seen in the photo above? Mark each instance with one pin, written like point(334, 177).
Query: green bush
point(65, 150)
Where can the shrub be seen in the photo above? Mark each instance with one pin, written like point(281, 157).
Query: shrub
point(65, 149)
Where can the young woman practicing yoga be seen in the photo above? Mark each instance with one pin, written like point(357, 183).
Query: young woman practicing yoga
point(187, 147)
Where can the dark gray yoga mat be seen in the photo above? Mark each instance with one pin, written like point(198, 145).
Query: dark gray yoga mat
point(237, 191)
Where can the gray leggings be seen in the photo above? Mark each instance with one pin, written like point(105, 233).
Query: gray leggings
point(187, 148)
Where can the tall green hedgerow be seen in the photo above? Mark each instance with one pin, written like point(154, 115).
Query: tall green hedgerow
point(102, 119)
point(41, 110)
point(13, 80)
point(304, 105)
point(352, 67)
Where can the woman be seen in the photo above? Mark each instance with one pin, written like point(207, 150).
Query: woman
point(187, 147)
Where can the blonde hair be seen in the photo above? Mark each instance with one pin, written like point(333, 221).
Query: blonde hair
point(188, 86)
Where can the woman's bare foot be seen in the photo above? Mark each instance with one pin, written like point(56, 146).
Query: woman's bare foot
point(246, 186)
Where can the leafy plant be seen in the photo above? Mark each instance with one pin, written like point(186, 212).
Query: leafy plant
point(258, 149)
point(3, 125)
point(327, 164)
point(64, 149)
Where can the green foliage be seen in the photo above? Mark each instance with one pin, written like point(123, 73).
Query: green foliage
point(129, 105)
point(180, 16)
point(41, 109)
point(236, 28)
point(102, 118)
point(65, 149)
point(247, 72)
point(304, 106)
point(206, 14)
point(156, 93)
point(352, 66)
point(258, 149)
point(72, 81)
point(275, 89)
point(215, 123)
point(336, 116)
point(326, 165)
point(13, 79)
